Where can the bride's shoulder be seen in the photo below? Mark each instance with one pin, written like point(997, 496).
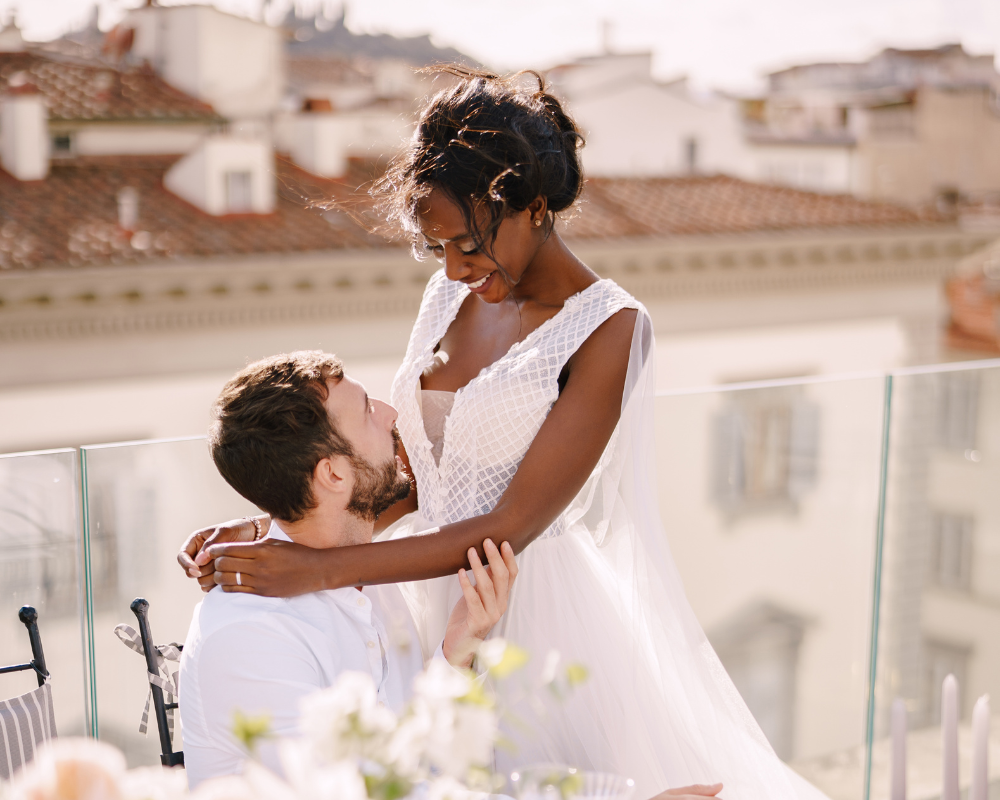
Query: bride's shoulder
point(439, 292)
point(440, 296)
point(612, 298)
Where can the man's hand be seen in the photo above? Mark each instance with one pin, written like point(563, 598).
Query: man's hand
point(481, 605)
point(193, 558)
point(699, 790)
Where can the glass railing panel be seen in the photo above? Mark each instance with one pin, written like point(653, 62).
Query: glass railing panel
point(40, 566)
point(941, 573)
point(769, 496)
point(143, 499)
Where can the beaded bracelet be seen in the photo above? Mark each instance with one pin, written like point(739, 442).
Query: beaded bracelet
point(256, 526)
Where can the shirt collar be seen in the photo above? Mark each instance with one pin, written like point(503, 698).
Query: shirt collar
point(347, 596)
point(274, 532)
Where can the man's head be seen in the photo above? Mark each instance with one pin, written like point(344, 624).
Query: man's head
point(293, 432)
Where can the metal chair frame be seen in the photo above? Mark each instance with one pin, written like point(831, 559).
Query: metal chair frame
point(29, 617)
point(140, 607)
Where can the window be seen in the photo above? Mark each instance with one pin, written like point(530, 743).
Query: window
point(691, 154)
point(957, 410)
point(62, 145)
point(765, 449)
point(951, 551)
point(895, 121)
point(239, 198)
point(759, 647)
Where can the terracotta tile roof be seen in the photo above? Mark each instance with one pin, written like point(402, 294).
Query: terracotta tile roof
point(324, 69)
point(626, 207)
point(974, 302)
point(71, 218)
point(76, 90)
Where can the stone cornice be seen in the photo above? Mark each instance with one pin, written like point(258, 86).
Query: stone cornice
point(289, 288)
point(745, 264)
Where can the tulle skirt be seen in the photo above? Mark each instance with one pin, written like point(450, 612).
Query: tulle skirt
point(629, 715)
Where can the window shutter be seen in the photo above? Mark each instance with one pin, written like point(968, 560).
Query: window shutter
point(803, 454)
point(728, 467)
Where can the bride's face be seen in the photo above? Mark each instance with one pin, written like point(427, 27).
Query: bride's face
point(447, 238)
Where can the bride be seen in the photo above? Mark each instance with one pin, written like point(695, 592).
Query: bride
point(525, 404)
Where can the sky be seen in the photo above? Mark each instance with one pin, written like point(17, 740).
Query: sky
point(720, 44)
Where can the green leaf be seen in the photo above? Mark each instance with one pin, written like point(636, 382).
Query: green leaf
point(477, 696)
point(388, 786)
point(512, 660)
point(571, 785)
point(250, 730)
point(576, 674)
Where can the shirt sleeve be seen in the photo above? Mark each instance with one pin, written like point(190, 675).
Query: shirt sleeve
point(476, 665)
point(256, 670)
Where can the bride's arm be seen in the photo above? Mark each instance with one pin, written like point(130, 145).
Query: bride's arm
point(246, 530)
point(558, 463)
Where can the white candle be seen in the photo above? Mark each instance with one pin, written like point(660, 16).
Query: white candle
point(898, 786)
point(949, 737)
point(980, 745)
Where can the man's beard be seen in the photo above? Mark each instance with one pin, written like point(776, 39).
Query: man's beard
point(375, 488)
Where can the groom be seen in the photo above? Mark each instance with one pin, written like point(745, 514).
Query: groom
point(301, 440)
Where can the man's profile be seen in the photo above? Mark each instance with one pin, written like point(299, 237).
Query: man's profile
point(303, 441)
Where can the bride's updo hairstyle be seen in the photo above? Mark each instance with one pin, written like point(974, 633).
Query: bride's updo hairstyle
point(492, 144)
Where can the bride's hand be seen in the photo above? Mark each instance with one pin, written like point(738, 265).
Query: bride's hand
point(270, 568)
point(192, 556)
point(690, 792)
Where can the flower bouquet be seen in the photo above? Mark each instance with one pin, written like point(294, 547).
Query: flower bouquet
point(350, 748)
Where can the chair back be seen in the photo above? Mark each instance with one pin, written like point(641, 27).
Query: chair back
point(28, 721)
point(161, 708)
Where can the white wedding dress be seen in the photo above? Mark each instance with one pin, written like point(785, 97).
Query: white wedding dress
point(599, 585)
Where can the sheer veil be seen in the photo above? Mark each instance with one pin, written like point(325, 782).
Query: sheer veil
point(659, 706)
point(692, 718)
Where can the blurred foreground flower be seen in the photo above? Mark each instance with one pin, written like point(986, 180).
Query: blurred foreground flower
point(352, 747)
point(71, 769)
point(250, 730)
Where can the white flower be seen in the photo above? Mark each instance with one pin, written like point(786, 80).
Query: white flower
point(405, 748)
point(501, 657)
point(227, 787)
point(455, 735)
point(316, 780)
point(446, 788)
point(154, 783)
point(71, 769)
point(549, 667)
point(256, 783)
point(346, 720)
point(440, 682)
point(491, 651)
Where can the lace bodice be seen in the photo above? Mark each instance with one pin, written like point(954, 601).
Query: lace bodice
point(496, 415)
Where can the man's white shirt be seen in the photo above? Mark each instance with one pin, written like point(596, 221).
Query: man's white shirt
point(262, 655)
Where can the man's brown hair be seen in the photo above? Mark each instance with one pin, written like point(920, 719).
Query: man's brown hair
point(271, 428)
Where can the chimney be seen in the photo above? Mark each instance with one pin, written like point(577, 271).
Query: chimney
point(24, 131)
point(128, 208)
point(226, 175)
point(10, 39)
point(320, 143)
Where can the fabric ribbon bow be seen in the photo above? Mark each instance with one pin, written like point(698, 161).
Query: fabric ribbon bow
point(168, 661)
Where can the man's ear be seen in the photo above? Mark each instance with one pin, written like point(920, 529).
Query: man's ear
point(333, 476)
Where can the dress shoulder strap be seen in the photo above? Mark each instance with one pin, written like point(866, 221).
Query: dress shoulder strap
point(440, 303)
point(581, 316)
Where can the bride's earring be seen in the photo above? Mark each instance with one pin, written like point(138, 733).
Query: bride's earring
point(538, 223)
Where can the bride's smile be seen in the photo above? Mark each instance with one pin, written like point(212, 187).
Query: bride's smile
point(530, 422)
